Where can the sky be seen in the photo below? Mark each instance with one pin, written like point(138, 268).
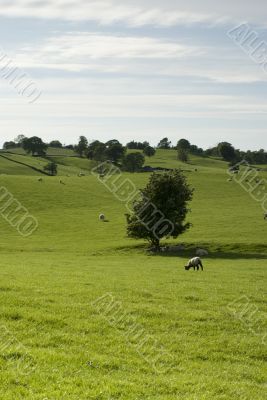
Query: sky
point(133, 70)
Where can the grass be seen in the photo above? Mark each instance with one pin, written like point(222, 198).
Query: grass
point(50, 280)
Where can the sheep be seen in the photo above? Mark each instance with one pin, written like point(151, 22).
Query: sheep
point(40, 180)
point(102, 217)
point(265, 216)
point(201, 252)
point(61, 182)
point(230, 179)
point(194, 263)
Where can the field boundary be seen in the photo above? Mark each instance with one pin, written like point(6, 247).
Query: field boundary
point(25, 165)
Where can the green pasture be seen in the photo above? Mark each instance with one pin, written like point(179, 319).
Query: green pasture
point(50, 281)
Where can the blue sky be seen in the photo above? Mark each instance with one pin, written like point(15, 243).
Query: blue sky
point(138, 70)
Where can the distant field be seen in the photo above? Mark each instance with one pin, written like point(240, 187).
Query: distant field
point(50, 150)
point(50, 280)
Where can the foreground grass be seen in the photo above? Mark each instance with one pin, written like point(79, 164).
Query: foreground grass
point(47, 304)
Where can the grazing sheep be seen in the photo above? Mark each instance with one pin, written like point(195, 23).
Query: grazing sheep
point(265, 215)
point(230, 179)
point(40, 180)
point(61, 182)
point(102, 217)
point(194, 263)
point(201, 252)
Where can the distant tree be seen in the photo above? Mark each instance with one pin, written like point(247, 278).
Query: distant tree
point(96, 151)
point(99, 153)
point(55, 143)
point(19, 140)
point(82, 146)
point(226, 151)
point(133, 162)
point(34, 145)
point(198, 151)
point(164, 144)
point(131, 145)
point(114, 150)
point(149, 151)
point(162, 208)
point(137, 145)
point(182, 155)
point(51, 168)
point(9, 145)
point(183, 144)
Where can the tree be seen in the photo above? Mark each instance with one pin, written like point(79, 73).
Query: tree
point(198, 151)
point(162, 208)
point(51, 168)
point(149, 151)
point(9, 145)
point(34, 145)
point(164, 144)
point(114, 150)
point(183, 144)
point(55, 143)
point(133, 162)
point(19, 140)
point(137, 145)
point(182, 155)
point(96, 151)
point(82, 146)
point(226, 151)
point(99, 152)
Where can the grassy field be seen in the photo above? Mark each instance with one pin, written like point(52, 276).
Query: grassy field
point(51, 325)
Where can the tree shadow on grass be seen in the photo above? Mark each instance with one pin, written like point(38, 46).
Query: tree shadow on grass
point(216, 251)
point(228, 251)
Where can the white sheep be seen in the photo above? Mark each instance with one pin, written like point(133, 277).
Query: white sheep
point(102, 217)
point(194, 263)
point(201, 252)
point(40, 180)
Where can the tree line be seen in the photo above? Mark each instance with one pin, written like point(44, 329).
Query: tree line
point(132, 161)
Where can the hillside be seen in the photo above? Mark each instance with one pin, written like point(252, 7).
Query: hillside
point(51, 280)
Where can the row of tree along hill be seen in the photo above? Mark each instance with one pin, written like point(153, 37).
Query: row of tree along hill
point(114, 151)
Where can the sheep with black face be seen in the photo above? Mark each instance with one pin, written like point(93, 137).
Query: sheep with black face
point(195, 263)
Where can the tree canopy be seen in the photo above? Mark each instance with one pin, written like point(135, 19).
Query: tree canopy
point(162, 208)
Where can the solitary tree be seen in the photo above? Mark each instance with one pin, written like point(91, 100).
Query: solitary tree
point(34, 145)
point(164, 144)
point(162, 208)
point(51, 168)
point(55, 143)
point(149, 151)
point(133, 162)
point(183, 144)
point(182, 155)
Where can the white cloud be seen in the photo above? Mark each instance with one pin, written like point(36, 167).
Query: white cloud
point(138, 12)
point(105, 12)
